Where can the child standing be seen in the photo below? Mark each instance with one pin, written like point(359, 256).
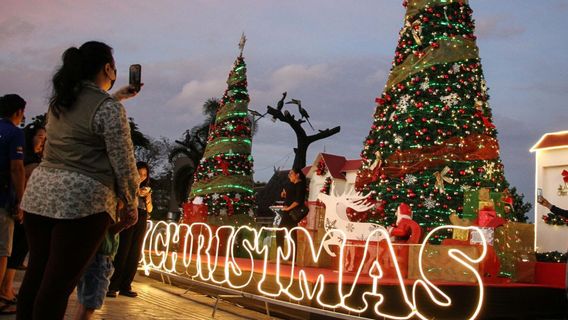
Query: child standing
point(93, 286)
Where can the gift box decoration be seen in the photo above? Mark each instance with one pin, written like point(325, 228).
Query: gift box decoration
point(438, 265)
point(514, 243)
point(519, 268)
point(475, 200)
point(485, 217)
point(515, 237)
point(488, 233)
point(460, 234)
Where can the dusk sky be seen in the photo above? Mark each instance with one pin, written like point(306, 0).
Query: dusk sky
point(333, 55)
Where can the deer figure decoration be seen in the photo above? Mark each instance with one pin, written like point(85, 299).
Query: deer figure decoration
point(336, 217)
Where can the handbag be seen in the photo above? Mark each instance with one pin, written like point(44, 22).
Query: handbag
point(298, 214)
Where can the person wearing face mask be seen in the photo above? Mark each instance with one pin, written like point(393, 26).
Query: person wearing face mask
point(88, 165)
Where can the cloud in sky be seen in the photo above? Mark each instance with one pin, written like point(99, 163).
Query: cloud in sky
point(14, 27)
point(498, 27)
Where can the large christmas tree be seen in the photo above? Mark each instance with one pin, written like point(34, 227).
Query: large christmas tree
point(432, 137)
point(224, 175)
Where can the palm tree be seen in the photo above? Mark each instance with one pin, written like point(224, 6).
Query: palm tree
point(191, 147)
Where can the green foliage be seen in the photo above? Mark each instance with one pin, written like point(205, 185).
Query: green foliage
point(521, 207)
point(138, 138)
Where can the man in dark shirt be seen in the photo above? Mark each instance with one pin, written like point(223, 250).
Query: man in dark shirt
point(12, 178)
point(294, 204)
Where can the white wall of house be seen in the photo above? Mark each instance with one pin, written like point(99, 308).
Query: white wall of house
point(549, 166)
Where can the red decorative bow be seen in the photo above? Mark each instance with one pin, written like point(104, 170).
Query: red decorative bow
point(225, 167)
point(229, 201)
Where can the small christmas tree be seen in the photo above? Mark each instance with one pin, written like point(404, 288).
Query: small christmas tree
point(224, 177)
point(432, 138)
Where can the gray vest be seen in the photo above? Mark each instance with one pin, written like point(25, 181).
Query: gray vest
point(71, 143)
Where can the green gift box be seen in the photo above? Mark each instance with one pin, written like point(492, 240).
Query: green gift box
point(514, 244)
point(473, 199)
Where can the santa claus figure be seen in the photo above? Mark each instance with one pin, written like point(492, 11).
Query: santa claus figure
point(406, 229)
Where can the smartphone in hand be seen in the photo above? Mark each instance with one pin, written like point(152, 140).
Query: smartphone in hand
point(539, 195)
point(135, 77)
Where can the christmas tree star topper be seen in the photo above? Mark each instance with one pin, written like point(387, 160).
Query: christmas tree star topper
point(242, 43)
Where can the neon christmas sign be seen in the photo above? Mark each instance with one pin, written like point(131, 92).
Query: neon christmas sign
point(201, 260)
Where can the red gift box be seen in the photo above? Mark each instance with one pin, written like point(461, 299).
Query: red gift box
point(485, 217)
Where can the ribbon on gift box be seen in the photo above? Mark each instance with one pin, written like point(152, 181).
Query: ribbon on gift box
point(484, 194)
point(486, 205)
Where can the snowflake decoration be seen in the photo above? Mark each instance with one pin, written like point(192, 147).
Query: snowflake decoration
point(466, 188)
point(451, 99)
point(404, 103)
point(329, 225)
point(215, 196)
point(489, 169)
point(350, 227)
point(456, 68)
point(237, 196)
point(429, 203)
point(397, 139)
point(410, 179)
point(425, 85)
point(210, 174)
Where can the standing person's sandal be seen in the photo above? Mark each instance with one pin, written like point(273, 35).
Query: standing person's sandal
point(7, 308)
point(13, 301)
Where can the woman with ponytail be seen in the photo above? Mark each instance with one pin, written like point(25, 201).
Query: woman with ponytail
point(88, 164)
